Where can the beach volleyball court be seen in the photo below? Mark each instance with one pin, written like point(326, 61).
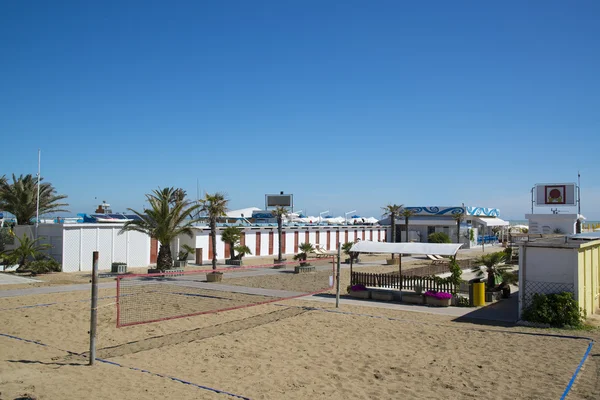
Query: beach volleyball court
point(145, 298)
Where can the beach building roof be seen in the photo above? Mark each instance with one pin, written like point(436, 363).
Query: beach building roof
point(490, 221)
point(442, 249)
point(242, 212)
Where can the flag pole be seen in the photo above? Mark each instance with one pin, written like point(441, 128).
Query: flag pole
point(37, 206)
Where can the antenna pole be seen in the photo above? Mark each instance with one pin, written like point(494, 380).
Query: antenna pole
point(37, 206)
point(532, 199)
point(578, 193)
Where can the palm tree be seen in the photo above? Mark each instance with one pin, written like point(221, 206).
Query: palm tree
point(215, 206)
point(231, 235)
point(492, 263)
point(406, 213)
point(20, 198)
point(28, 249)
point(304, 248)
point(280, 212)
point(392, 210)
point(164, 220)
point(458, 217)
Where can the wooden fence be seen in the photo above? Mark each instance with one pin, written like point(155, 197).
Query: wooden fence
point(394, 281)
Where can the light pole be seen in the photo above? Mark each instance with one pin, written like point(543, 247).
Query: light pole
point(321, 213)
point(346, 215)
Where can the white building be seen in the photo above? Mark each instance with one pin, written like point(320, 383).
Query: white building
point(476, 225)
point(73, 244)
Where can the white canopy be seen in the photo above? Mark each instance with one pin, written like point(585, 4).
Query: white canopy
point(442, 249)
point(491, 221)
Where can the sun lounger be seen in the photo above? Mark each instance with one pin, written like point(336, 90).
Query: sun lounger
point(434, 260)
point(321, 252)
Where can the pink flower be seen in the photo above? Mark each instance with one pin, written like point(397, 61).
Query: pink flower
point(438, 295)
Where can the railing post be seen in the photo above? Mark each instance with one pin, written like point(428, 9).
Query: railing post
point(94, 308)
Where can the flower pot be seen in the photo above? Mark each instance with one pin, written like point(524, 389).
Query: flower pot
point(360, 294)
point(304, 269)
point(418, 289)
point(233, 262)
point(412, 298)
point(384, 295)
point(214, 276)
point(432, 301)
point(490, 297)
point(180, 263)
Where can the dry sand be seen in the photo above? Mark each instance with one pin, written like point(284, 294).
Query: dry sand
point(282, 352)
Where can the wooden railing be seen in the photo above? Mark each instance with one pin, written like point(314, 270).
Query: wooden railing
point(394, 281)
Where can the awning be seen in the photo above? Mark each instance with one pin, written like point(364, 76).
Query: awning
point(442, 249)
point(490, 221)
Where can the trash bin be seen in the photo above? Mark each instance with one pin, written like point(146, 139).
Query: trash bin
point(478, 294)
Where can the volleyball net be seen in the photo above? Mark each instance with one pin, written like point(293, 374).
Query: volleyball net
point(145, 298)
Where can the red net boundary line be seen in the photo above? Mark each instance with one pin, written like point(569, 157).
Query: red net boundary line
point(223, 309)
point(119, 325)
point(197, 271)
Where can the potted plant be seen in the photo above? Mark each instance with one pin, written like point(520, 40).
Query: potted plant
point(353, 256)
point(183, 255)
point(508, 278)
point(231, 236)
point(437, 299)
point(359, 291)
point(215, 207)
point(241, 250)
point(304, 266)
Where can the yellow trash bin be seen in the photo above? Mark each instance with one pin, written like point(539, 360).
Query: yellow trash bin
point(479, 294)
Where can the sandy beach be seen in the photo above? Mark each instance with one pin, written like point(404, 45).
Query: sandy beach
point(292, 349)
point(281, 350)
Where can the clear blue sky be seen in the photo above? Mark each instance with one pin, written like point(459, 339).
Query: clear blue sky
point(347, 105)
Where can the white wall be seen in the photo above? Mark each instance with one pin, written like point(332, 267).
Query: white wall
point(548, 223)
point(201, 239)
point(81, 240)
point(550, 265)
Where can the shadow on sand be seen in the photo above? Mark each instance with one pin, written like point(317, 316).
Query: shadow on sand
point(503, 313)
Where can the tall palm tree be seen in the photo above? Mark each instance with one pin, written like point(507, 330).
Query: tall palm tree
point(279, 212)
point(458, 217)
point(163, 220)
point(392, 210)
point(27, 250)
point(406, 213)
point(215, 206)
point(20, 198)
point(492, 263)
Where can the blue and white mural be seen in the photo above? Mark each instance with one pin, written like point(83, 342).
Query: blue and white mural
point(436, 210)
point(483, 212)
point(475, 211)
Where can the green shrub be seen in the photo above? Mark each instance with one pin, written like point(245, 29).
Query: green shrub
point(44, 266)
point(439, 237)
point(557, 310)
point(462, 302)
point(508, 251)
point(455, 272)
